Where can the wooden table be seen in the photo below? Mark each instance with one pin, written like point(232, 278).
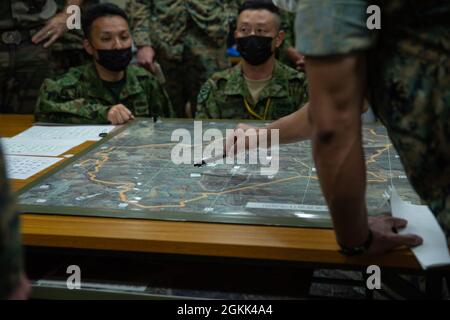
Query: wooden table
point(303, 245)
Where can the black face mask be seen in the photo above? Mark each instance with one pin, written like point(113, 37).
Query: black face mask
point(255, 49)
point(115, 60)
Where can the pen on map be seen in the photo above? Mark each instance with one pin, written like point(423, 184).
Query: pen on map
point(205, 161)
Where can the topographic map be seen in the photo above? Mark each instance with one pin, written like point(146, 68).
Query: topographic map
point(131, 175)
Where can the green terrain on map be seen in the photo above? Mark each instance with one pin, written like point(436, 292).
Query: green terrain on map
point(131, 175)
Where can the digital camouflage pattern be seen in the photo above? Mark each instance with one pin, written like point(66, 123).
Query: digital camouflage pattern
point(23, 66)
point(11, 263)
point(189, 38)
point(173, 19)
point(222, 96)
point(79, 96)
point(408, 79)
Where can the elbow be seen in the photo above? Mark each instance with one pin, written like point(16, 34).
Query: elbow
point(335, 128)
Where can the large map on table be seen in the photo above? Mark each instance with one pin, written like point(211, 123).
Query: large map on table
point(131, 175)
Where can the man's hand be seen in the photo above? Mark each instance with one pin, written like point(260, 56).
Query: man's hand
point(300, 63)
point(22, 292)
point(296, 57)
point(119, 114)
point(53, 29)
point(240, 133)
point(146, 58)
point(385, 237)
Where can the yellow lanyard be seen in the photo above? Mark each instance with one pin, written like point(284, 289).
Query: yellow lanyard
point(253, 113)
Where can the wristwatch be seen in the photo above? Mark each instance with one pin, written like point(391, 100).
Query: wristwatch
point(357, 250)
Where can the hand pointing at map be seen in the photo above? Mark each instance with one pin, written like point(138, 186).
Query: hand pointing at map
point(295, 127)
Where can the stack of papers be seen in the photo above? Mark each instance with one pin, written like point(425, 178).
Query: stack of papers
point(92, 133)
point(421, 221)
point(37, 148)
point(23, 167)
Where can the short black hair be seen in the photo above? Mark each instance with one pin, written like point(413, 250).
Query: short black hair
point(259, 4)
point(96, 11)
point(262, 5)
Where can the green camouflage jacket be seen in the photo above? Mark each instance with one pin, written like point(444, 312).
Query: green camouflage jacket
point(222, 96)
point(10, 245)
point(164, 23)
point(79, 96)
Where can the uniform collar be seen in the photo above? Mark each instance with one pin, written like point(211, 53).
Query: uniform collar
point(277, 87)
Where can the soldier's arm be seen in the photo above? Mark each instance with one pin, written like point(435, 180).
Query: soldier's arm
point(207, 102)
point(138, 12)
point(287, 49)
point(232, 8)
point(60, 104)
point(11, 264)
point(159, 100)
point(300, 91)
point(56, 26)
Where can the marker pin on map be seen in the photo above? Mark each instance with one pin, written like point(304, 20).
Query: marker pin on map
point(206, 161)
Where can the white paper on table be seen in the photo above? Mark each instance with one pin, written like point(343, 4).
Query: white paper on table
point(24, 167)
point(421, 221)
point(37, 147)
point(92, 133)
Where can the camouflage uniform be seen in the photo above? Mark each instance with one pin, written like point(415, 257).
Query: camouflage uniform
point(80, 96)
point(287, 25)
point(189, 37)
point(408, 79)
point(11, 264)
point(23, 65)
point(222, 96)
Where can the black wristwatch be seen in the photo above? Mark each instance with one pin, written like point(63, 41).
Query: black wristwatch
point(357, 250)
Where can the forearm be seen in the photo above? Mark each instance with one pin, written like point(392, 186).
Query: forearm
point(294, 127)
point(76, 111)
point(336, 100)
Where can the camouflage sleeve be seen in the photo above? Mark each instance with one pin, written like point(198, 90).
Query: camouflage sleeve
point(11, 263)
point(232, 7)
point(160, 102)
point(138, 12)
point(300, 91)
point(287, 25)
point(206, 102)
point(61, 104)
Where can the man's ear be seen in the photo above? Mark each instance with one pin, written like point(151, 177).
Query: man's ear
point(88, 47)
point(280, 39)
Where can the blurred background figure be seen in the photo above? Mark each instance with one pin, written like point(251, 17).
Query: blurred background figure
point(27, 29)
point(189, 40)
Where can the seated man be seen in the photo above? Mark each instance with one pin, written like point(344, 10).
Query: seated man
point(107, 90)
point(259, 87)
